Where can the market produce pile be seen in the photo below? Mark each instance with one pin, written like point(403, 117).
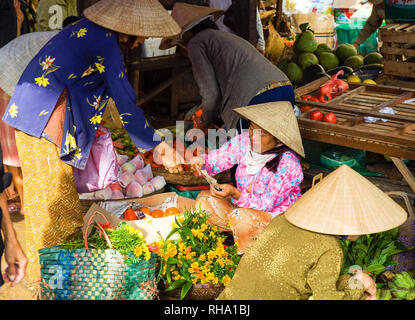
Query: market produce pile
point(374, 254)
point(400, 287)
point(312, 61)
point(197, 256)
point(135, 176)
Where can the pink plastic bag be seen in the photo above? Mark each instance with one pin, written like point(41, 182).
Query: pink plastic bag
point(101, 168)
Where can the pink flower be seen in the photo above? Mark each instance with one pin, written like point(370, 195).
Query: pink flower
point(47, 63)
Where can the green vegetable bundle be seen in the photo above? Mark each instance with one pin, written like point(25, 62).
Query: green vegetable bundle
point(374, 252)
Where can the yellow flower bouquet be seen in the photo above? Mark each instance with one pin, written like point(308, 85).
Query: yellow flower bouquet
point(198, 256)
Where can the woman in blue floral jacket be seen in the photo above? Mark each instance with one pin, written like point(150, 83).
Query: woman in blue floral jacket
point(58, 105)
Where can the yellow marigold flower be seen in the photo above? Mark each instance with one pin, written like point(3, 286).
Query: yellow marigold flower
point(194, 220)
point(147, 255)
point(13, 110)
point(213, 235)
point(100, 67)
point(203, 227)
point(181, 219)
point(81, 32)
point(138, 251)
point(221, 263)
point(202, 257)
point(211, 255)
point(204, 280)
point(42, 81)
point(195, 265)
point(210, 276)
point(226, 280)
point(194, 280)
point(215, 281)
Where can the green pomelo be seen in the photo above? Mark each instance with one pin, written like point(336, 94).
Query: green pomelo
point(328, 60)
point(294, 72)
point(306, 42)
point(354, 62)
point(345, 51)
point(307, 59)
point(322, 47)
point(373, 58)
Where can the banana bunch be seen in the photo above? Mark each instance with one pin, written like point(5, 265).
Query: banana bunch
point(402, 287)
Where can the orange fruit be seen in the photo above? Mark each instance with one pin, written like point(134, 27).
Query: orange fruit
point(145, 210)
point(199, 113)
point(171, 211)
point(157, 214)
point(130, 214)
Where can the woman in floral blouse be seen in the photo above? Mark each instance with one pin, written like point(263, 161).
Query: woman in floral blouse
point(58, 105)
point(268, 175)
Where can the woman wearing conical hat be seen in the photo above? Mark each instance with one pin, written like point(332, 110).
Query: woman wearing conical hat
point(299, 256)
point(58, 105)
point(268, 173)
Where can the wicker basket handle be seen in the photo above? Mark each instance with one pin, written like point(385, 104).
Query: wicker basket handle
point(406, 199)
point(90, 221)
point(316, 178)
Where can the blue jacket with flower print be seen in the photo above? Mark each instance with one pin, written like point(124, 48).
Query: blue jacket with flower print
point(86, 59)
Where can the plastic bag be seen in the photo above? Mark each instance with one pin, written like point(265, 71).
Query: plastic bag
point(101, 168)
point(337, 156)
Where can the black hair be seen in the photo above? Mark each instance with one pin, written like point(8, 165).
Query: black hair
point(273, 164)
point(69, 20)
point(205, 24)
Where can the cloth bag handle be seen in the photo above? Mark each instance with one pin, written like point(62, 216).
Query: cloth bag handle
point(90, 221)
point(406, 199)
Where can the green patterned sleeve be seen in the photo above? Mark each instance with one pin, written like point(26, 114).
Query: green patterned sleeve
point(324, 280)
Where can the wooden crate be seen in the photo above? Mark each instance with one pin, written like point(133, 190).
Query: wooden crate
point(396, 137)
point(398, 50)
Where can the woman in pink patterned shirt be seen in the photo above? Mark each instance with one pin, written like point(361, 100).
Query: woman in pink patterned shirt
point(268, 180)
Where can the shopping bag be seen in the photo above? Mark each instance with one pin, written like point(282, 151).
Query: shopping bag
point(101, 169)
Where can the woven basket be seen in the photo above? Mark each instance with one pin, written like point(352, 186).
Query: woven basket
point(199, 291)
point(95, 274)
point(187, 178)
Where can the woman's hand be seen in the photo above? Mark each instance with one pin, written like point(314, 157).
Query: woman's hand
point(196, 164)
point(369, 285)
point(16, 263)
point(227, 191)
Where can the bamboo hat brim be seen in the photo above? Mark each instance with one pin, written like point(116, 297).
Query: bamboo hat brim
point(145, 18)
point(187, 16)
point(346, 203)
point(278, 118)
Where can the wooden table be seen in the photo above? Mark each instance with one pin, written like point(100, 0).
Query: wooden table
point(179, 66)
point(395, 138)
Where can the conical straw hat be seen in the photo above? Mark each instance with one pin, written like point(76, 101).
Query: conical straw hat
point(145, 18)
point(346, 203)
point(187, 16)
point(278, 118)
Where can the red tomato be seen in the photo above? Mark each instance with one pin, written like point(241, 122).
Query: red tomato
point(316, 115)
point(306, 98)
point(130, 214)
point(330, 117)
point(314, 100)
point(305, 108)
